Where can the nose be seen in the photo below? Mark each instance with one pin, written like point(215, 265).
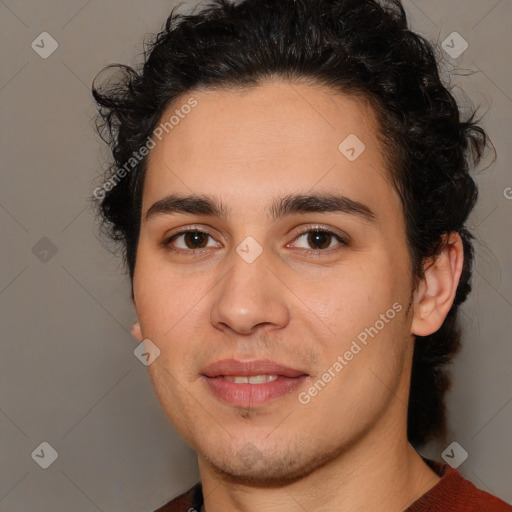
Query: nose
point(250, 297)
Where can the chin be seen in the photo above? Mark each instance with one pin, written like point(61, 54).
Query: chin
point(253, 468)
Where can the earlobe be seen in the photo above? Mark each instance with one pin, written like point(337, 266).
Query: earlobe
point(436, 292)
point(136, 331)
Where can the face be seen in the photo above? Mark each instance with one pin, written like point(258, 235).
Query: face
point(278, 301)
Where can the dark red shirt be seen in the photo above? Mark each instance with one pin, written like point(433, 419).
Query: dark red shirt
point(452, 493)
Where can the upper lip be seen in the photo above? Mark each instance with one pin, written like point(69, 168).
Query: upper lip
point(233, 367)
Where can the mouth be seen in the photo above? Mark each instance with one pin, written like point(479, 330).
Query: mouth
point(251, 383)
point(253, 379)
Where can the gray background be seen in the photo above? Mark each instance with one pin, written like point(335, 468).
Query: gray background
point(68, 373)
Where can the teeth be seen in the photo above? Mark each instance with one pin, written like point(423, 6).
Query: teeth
point(253, 379)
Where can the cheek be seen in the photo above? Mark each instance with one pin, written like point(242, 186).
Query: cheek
point(162, 297)
point(360, 371)
point(172, 314)
point(352, 297)
point(175, 399)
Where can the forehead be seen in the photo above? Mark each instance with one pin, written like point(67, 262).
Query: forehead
point(273, 139)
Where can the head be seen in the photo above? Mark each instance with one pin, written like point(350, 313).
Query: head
point(318, 138)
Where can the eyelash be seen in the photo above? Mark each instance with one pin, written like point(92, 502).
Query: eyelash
point(167, 242)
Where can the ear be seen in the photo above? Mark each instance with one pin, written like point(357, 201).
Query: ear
point(136, 331)
point(435, 293)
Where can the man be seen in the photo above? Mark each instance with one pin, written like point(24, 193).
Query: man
point(290, 187)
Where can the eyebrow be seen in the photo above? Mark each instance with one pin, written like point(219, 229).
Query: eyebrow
point(280, 207)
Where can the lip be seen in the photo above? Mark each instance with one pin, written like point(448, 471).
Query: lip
point(251, 395)
point(249, 368)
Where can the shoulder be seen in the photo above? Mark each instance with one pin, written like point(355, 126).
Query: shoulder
point(189, 501)
point(455, 493)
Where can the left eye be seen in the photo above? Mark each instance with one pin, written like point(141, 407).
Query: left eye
point(190, 240)
point(321, 238)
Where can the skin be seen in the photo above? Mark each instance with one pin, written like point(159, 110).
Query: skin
point(347, 448)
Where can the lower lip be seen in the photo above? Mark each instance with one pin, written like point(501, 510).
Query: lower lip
point(252, 395)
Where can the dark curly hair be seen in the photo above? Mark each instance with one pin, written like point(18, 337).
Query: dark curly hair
point(358, 47)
